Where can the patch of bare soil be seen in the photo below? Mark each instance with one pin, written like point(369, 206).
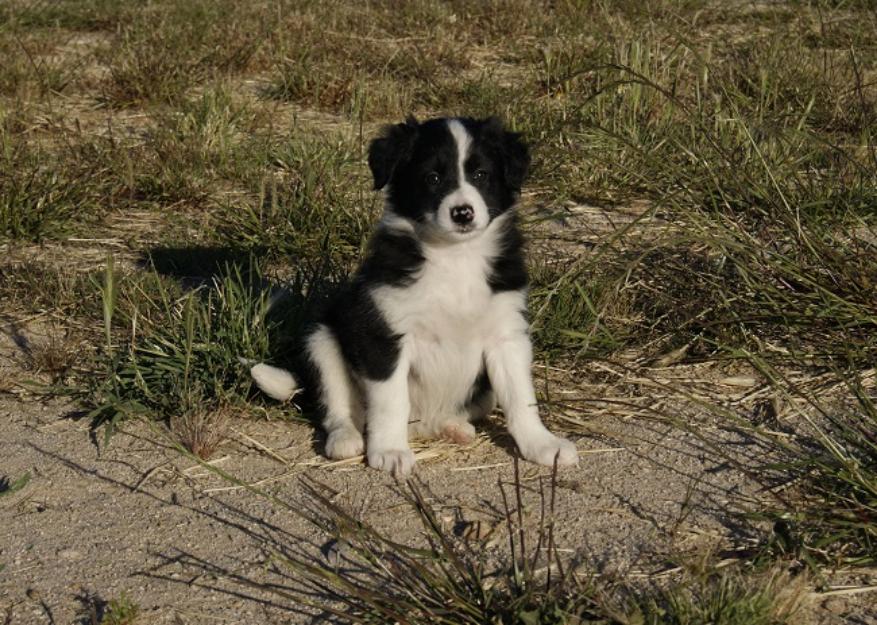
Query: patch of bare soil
point(190, 547)
point(181, 542)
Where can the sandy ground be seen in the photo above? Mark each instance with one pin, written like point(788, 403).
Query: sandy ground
point(187, 545)
point(137, 517)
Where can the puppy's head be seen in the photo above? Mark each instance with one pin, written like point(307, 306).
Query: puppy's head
point(450, 176)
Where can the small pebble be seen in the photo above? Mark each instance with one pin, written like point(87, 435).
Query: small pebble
point(69, 554)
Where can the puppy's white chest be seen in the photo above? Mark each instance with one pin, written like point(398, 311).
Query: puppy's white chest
point(445, 341)
point(445, 316)
point(450, 296)
point(453, 293)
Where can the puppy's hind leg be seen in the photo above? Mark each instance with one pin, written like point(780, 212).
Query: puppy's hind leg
point(481, 403)
point(343, 412)
point(458, 430)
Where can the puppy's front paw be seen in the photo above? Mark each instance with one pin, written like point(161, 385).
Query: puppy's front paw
point(344, 443)
point(544, 449)
point(398, 462)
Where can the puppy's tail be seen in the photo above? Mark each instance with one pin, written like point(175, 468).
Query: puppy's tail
point(274, 381)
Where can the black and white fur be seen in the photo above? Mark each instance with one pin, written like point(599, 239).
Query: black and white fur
point(432, 329)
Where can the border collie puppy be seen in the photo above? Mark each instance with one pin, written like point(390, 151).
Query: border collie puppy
point(432, 329)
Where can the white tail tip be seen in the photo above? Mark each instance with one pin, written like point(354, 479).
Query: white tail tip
point(274, 381)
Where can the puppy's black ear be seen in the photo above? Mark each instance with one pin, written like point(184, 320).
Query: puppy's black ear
point(391, 148)
point(511, 148)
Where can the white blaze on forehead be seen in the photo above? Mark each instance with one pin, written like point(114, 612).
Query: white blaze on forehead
point(465, 194)
point(463, 140)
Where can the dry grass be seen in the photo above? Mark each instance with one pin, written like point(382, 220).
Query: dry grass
point(55, 355)
point(202, 430)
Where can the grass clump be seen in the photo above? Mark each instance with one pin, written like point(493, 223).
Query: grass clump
point(200, 430)
point(723, 598)
point(56, 355)
point(809, 290)
point(369, 577)
point(376, 579)
point(717, 285)
point(121, 610)
point(204, 147)
point(825, 478)
point(38, 204)
point(179, 349)
point(38, 201)
point(314, 202)
point(577, 312)
point(158, 55)
point(48, 189)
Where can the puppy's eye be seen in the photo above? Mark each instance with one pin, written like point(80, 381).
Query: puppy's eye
point(432, 179)
point(479, 176)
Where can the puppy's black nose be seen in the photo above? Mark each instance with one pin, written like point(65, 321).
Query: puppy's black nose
point(462, 214)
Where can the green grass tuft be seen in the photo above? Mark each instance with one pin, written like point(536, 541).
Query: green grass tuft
point(826, 514)
point(723, 598)
point(199, 151)
point(179, 349)
point(314, 201)
point(120, 611)
point(48, 190)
